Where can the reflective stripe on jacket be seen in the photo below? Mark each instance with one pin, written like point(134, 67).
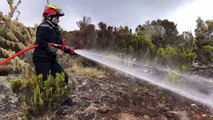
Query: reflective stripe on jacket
point(46, 33)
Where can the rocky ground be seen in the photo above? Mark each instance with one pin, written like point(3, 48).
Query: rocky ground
point(10, 106)
point(113, 97)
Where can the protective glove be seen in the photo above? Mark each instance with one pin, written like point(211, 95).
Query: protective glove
point(51, 49)
point(66, 49)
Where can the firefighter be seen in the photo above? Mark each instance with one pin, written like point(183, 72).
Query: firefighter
point(44, 56)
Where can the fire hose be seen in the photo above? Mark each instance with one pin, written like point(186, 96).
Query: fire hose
point(62, 46)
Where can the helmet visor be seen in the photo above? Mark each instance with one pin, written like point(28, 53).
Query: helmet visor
point(60, 13)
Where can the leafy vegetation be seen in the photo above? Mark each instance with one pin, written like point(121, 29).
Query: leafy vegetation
point(171, 56)
point(41, 96)
point(156, 40)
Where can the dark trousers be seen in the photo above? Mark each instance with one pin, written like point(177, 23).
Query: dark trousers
point(45, 66)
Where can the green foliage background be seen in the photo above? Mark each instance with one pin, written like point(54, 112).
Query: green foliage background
point(158, 41)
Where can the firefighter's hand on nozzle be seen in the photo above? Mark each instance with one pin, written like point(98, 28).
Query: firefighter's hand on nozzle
point(67, 49)
point(51, 49)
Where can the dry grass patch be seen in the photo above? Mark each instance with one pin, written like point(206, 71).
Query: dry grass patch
point(87, 71)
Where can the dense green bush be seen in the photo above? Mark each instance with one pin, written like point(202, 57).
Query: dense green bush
point(41, 96)
point(176, 57)
point(167, 55)
point(143, 46)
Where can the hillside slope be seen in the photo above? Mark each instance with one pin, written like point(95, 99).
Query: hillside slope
point(111, 97)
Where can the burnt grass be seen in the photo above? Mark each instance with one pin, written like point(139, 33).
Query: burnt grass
point(120, 97)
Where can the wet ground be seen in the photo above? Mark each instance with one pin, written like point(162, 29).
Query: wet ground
point(124, 98)
point(114, 97)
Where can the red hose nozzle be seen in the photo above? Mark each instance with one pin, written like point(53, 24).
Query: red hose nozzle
point(72, 50)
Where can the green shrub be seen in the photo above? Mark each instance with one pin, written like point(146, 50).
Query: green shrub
point(173, 78)
point(176, 57)
point(167, 55)
point(41, 96)
point(209, 47)
point(16, 85)
point(143, 46)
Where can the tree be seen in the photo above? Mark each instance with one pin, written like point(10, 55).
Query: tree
point(187, 40)
point(83, 24)
point(210, 32)
point(204, 41)
point(201, 32)
point(154, 32)
point(87, 34)
point(13, 8)
point(169, 33)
